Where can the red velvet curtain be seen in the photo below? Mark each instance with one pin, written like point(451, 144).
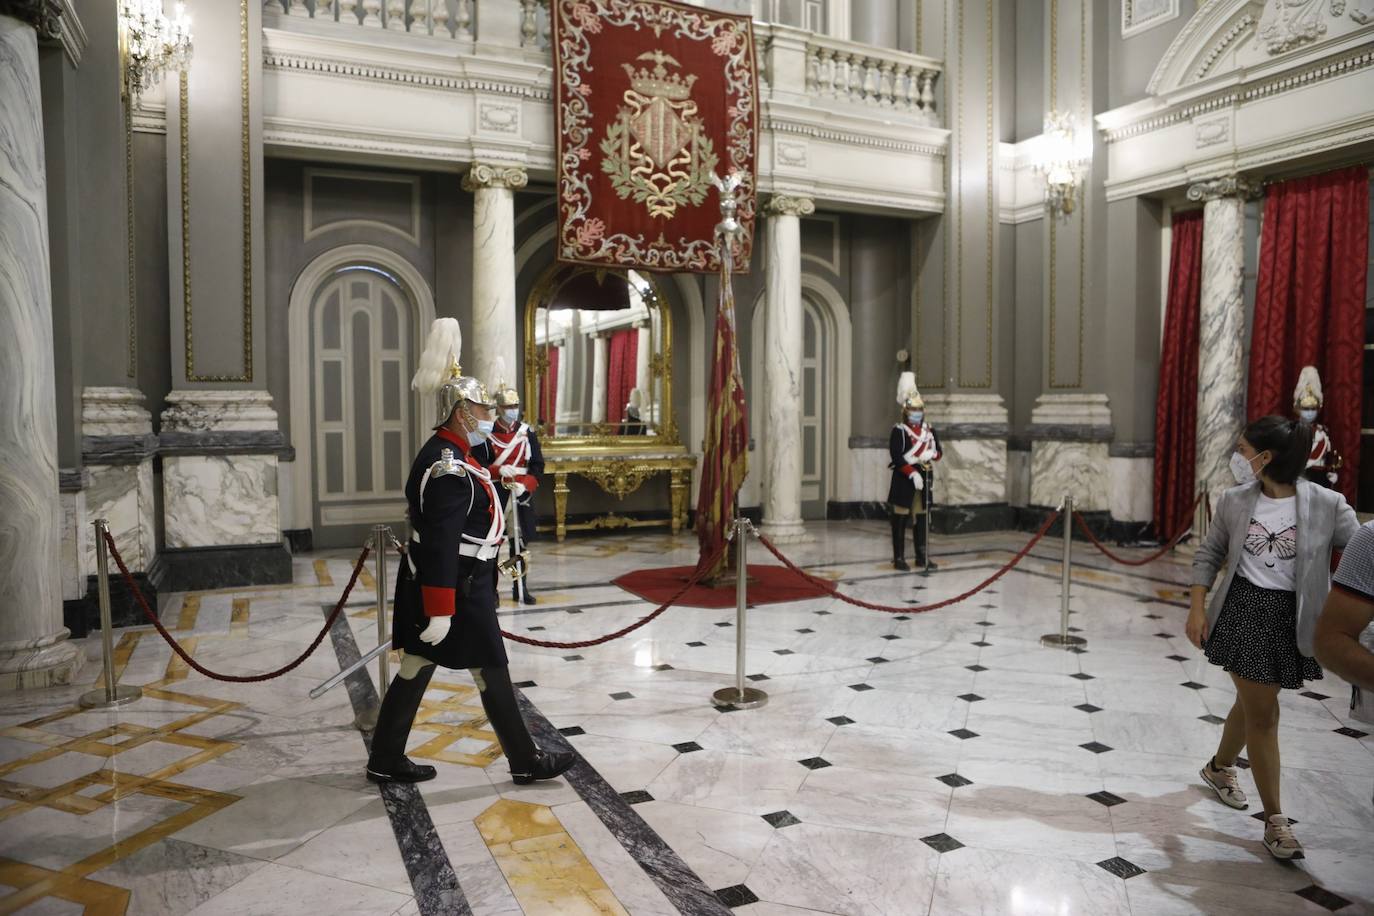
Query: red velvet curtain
point(1176, 404)
point(620, 374)
point(1309, 305)
point(548, 394)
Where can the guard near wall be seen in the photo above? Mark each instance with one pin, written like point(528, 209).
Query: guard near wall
point(914, 448)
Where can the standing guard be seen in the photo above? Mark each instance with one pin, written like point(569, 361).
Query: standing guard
point(517, 459)
point(1323, 462)
point(445, 591)
point(914, 448)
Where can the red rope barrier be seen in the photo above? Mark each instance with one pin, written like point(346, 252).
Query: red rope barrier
point(919, 609)
point(1115, 558)
point(587, 643)
point(233, 678)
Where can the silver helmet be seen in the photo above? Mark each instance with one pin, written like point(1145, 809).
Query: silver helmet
point(440, 374)
point(504, 394)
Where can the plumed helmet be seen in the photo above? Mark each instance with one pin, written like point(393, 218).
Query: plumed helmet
point(637, 399)
point(908, 396)
point(505, 395)
point(440, 374)
point(1308, 394)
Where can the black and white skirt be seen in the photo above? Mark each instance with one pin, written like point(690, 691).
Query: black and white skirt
point(1255, 637)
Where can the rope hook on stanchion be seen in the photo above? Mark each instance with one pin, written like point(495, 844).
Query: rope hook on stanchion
point(740, 696)
point(1064, 639)
point(111, 694)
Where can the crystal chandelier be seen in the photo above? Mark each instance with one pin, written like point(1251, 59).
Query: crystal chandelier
point(1062, 161)
point(151, 43)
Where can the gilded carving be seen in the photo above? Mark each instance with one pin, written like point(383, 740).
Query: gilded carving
point(482, 175)
point(789, 205)
point(1225, 186)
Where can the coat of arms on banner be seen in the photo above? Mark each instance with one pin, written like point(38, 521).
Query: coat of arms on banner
point(654, 98)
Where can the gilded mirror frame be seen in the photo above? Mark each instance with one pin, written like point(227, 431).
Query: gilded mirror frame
point(601, 440)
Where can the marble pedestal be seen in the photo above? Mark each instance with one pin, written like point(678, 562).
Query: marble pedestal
point(117, 450)
point(971, 477)
point(34, 650)
point(1070, 434)
point(221, 513)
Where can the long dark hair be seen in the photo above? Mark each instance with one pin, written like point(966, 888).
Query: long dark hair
point(1290, 442)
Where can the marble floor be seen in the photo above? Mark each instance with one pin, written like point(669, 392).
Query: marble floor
point(935, 763)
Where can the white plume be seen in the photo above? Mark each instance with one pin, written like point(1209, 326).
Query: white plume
point(498, 374)
point(443, 348)
point(637, 398)
point(906, 387)
point(1308, 379)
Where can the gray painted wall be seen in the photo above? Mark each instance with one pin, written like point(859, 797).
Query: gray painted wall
point(1131, 316)
point(1028, 92)
point(1029, 321)
point(1133, 60)
point(150, 258)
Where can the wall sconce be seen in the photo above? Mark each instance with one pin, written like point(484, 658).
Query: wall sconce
point(1062, 162)
point(151, 44)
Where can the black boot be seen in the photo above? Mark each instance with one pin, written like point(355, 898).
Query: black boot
point(527, 762)
point(899, 542)
point(921, 536)
point(388, 762)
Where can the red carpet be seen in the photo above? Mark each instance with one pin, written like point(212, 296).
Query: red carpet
point(767, 585)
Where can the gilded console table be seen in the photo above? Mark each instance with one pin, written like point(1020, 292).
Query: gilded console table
point(619, 476)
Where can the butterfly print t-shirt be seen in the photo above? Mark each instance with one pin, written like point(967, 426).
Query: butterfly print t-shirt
point(1271, 544)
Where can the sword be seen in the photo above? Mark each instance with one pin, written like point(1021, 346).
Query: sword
point(515, 567)
point(339, 678)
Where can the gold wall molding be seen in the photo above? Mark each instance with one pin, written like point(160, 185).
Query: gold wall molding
point(246, 205)
point(130, 267)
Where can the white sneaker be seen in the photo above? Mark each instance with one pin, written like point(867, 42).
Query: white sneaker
point(1223, 781)
point(1279, 839)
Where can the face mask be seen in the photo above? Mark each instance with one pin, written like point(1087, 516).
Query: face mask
point(1308, 416)
point(511, 415)
point(915, 417)
point(1241, 468)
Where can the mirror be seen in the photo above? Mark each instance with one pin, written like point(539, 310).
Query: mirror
point(598, 359)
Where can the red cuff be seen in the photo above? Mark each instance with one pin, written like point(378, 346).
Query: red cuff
point(439, 602)
point(908, 469)
point(530, 482)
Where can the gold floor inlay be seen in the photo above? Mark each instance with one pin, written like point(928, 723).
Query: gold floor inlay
point(547, 871)
point(457, 717)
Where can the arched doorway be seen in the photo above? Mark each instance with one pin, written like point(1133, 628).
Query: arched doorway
point(356, 322)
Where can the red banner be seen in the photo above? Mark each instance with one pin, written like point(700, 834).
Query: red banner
point(653, 98)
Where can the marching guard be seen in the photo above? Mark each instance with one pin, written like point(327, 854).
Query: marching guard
point(517, 459)
point(1323, 462)
point(914, 448)
point(445, 592)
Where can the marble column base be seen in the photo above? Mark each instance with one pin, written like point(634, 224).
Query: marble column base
point(973, 437)
point(1070, 435)
point(51, 661)
point(1132, 488)
point(788, 532)
point(199, 568)
point(117, 449)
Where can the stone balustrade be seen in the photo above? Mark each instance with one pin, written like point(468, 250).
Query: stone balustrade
point(860, 74)
point(454, 19)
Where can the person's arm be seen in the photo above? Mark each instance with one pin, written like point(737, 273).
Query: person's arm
point(1210, 557)
point(1347, 523)
point(1337, 642)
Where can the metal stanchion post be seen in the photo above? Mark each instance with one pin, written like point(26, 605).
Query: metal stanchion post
point(111, 694)
point(381, 534)
point(740, 696)
point(1063, 639)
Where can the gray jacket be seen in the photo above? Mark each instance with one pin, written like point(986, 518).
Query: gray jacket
point(1325, 521)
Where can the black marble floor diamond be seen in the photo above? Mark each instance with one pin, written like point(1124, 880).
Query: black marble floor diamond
point(533, 629)
point(878, 660)
point(982, 643)
point(840, 720)
point(523, 684)
point(942, 842)
point(1211, 719)
point(1081, 676)
point(623, 695)
point(663, 667)
point(1351, 732)
point(758, 677)
point(815, 763)
point(572, 730)
point(574, 610)
point(1313, 695)
point(739, 895)
point(781, 819)
point(1097, 747)
point(1323, 897)
point(783, 652)
point(1075, 629)
point(724, 623)
point(806, 630)
point(636, 797)
point(821, 613)
point(1154, 617)
point(1165, 635)
point(860, 687)
point(988, 607)
point(686, 747)
point(1088, 707)
point(985, 623)
point(1242, 763)
point(970, 697)
point(963, 734)
point(1078, 650)
point(901, 617)
point(696, 644)
point(954, 780)
point(1176, 658)
point(975, 668)
point(892, 636)
point(572, 658)
point(1192, 685)
point(1259, 816)
point(1120, 867)
point(1107, 799)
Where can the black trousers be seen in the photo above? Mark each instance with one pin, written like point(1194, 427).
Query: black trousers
point(921, 524)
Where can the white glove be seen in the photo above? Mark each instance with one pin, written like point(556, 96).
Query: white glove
point(507, 472)
point(436, 631)
point(918, 481)
point(516, 489)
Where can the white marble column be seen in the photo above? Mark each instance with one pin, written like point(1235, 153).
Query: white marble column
point(780, 433)
point(34, 650)
point(599, 379)
point(1221, 355)
point(643, 347)
point(494, 330)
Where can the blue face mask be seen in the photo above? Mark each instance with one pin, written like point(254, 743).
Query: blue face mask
point(479, 435)
point(511, 415)
point(1308, 416)
point(915, 417)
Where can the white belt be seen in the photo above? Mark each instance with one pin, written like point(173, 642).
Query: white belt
point(517, 470)
point(481, 552)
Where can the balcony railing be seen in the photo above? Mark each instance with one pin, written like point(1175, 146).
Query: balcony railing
point(863, 75)
point(441, 18)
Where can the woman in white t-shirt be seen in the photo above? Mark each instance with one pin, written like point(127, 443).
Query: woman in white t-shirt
point(1272, 538)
